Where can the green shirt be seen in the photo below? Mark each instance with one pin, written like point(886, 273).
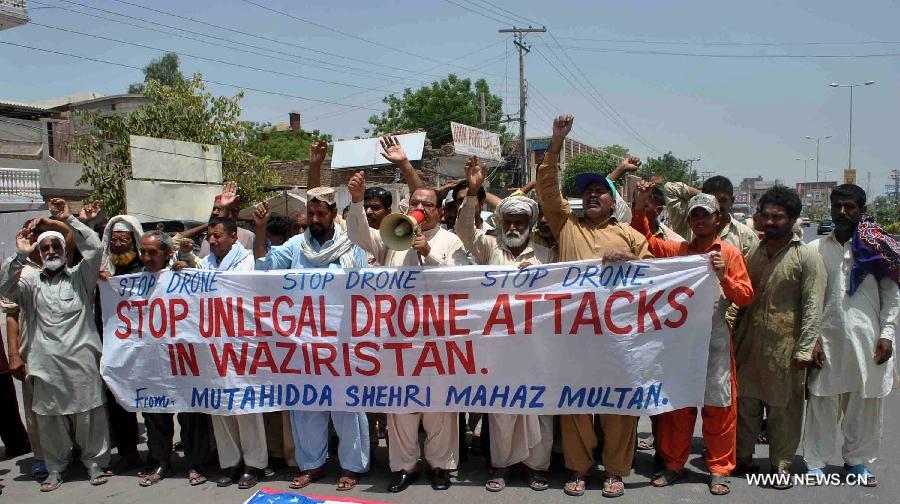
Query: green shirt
point(781, 324)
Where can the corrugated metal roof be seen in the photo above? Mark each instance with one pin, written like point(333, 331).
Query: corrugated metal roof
point(21, 106)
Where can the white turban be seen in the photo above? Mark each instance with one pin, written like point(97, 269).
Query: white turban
point(52, 234)
point(516, 205)
point(119, 223)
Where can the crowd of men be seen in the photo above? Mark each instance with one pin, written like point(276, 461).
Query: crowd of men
point(797, 328)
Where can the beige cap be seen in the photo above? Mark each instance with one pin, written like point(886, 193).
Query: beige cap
point(323, 194)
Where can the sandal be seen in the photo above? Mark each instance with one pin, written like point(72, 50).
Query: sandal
point(861, 472)
point(195, 477)
point(613, 487)
point(719, 485)
point(497, 482)
point(52, 482)
point(305, 478)
point(538, 481)
point(348, 481)
point(666, 478)
point(576, 485)
point(645, 444)
point(98, 480)
point(154, 477)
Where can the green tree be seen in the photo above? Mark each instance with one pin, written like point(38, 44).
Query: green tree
point(604, 162)
point(165, 69)
point(181, 111)
point(668, 167)
point(282, 145)
point(433, 107)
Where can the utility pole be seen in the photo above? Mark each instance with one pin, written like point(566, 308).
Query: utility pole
point(868, 182)
point(705, 175)
point(895, 176)
point(519, 41)
point(483, 124)
point(691, 169)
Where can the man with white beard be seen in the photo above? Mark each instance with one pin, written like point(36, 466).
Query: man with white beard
point(526, 439)
point(64, 358)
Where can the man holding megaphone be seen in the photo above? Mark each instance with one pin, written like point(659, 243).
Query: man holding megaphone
point(411, 239)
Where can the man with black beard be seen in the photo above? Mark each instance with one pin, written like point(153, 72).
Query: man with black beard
point(325, 244)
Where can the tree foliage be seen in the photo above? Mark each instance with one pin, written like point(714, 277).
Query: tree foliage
point(433, 107)
point(165, 69)
point(181, 111)
point(283, 145)
point(604, 162)
point(668, 167)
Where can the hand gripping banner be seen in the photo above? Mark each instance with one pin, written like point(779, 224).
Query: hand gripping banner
point(629, 338)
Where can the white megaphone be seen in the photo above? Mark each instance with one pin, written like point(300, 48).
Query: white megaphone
point(398, 231)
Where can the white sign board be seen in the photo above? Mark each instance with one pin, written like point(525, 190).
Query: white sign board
point(367, 151)
point(157, 201)
point(160, 159)
point(470, 141)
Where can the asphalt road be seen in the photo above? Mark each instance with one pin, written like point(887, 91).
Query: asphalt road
point(469, 482)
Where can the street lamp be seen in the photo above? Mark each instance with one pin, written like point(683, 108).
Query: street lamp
point(850, 142)
point(804, 165)
point(817, 139)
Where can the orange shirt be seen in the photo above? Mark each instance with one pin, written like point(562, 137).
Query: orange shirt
point(736, 285)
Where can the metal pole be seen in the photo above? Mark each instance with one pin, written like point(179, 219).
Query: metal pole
point(526, 175)
point(817, 159)
point(483, 112)
point(519, 41)
point(850, 149)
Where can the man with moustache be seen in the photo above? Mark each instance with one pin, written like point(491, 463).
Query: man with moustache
point(854, 362)
point(775, 335)
point(597, 235)
point(433, 246)
point(64, 358)
point(121, 236)
point(325, 244)
point(157, 250)
point(514, 439)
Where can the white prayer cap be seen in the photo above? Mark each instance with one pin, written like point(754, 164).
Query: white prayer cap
point(52, 234)
point(120, 226)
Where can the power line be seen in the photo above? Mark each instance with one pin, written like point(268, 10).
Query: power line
point(486, 16)
point(209, 81)
point(734, 56)
point(511, 14)
point(248, 34)
point(723, 44)
point(593, 101)
point(326, 65)
point(603, 99)
point(468, 70)
point(203, 58)
point(335, 30)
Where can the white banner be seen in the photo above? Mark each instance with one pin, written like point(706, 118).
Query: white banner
point(629, 338)
point(471, 141)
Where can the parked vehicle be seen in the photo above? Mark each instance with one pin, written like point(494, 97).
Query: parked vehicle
point(805, 221)
point(825, 226)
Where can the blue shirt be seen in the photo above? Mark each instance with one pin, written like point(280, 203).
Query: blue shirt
point(290, 255)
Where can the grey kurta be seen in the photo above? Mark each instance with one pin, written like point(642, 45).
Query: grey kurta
point(64, 354)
